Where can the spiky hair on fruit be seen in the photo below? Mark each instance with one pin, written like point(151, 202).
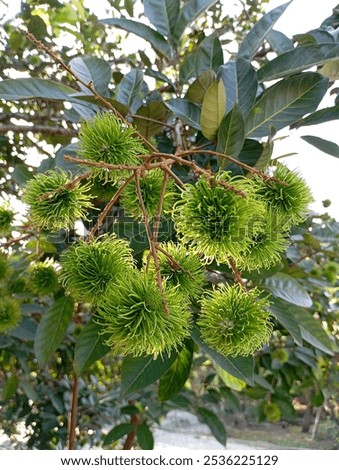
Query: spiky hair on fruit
point(101, 190)
point(233, 321)
point(268, 241)
point(4, 266)
point(54, 202)
point(186, 274)
point(6, 219)
point(133, 314)
point(214, 220)
point(42, 277)
point(106, 139)
point(288, 196)
point(89, 267)
point(150, 187)
point(10, 315)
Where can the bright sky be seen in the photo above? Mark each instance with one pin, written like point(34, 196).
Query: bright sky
point(320, 170)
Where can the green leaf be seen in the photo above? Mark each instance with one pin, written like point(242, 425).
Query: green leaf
point(159, 76)
point(10, 387)
point(229, 380)
point(216, 426)
point(196, 91)
point(145, 437)
point(322, 144)
point(95, 70)
point(318, 117)
point(21, 174)
point(174, 379)
point(153, 110)
point(241, 84)
point(312, 331)
point(282, 311)
point(117, 433)
point(296, 60)
point(267, 152)
point(139, 372)
point(188, 112)
point(89, 347)
point(187, 68)
point(209, 55)
point(162, 14)
point(250, 154)
point(314, 36)
point(45, 246)
point(231, 134)
point(189, 13)
point(254, 39)
point(286, 102)
point(17, 89)
point(240, 367)
point(279, 42)
point(286, 287)
point(52, 329)
point(130, 88)
point(330, 70)
point(213, 109)
point(158, 42)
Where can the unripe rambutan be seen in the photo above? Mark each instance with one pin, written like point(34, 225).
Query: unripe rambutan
point(10, 315)
point(233, 321)
point(6, 219)
point(54, 205)
point(43, 279)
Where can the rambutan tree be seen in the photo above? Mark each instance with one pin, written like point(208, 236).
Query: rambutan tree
point(161, 244)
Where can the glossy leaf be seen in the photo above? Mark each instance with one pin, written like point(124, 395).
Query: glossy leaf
point(213, 109)
point(117, 433)
point(279, 42)
point(188, 112)
point(92, 69)
point(209, 55)
point(31, 88)
point(229, 380)
point(286, 102)
point(258, 33)
point(145, 437)
point(52, 329)
point(162, 14)
point(139, 372)
point(312, 331)
point(282, 311)
point(188, 14)
point(240, 367)
point(331, 148)
point(216, 426)
point(241, 84)
point(231, 134)
point(318, 117)
point(296, 60)
point(286, 287)
point(89, 347)
point(158, 42)
point(172, 382)
point(130, 88)
point(250, 154)
point(196, 91)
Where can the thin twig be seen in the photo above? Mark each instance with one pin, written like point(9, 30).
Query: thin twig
point(12, 241)
point(236, 274)
point(145, 118)
point(37, 129)
point(109, 166)
point(175, 264)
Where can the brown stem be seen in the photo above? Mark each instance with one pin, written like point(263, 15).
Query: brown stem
point(135, 421)
point(72, 416)
point(37, 129)
point(12, 241)
point(236, 274)
point(159, 208)
point(137, 116)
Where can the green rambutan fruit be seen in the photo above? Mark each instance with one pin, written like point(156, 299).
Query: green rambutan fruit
point(10, 315)
point(132, 313)
point(214, 220)
point(106, 139)
point(150, 186)
point(6, 219)
point(88, 268)
point(289, 202)
point(4, 266)
point(272, 412)
point(54, 205)
point(188, 277)
point(43, 279)
point(102, 190)
point(233, 321)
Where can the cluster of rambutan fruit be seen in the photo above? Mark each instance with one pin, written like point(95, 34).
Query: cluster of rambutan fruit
point(247, 225)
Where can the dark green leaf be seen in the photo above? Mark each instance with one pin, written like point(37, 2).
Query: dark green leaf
point(10, 387)
point(145, 437)
point(286, 287)
point(286, 102)
point(209, 55)
point(45, 246)
point(21, 174)
point(158, 42)
point(95, 70)
point(189, 13)
point(241, 84)
point(281, 310)
point(250, 154)
point(37, 26)
point(159, 76)
point(231, 134)
point(240, 367)
point(196, 91)
point(117, 433)
point(213, 109)
point(52, 329)
point(312, 331)
point(279, 42)
point(162, 14)
point(258, 33)
point(17, 89)
point(89, 347)
point(216, 426)
point(188, 112)
point(130, 89)
point(322, 144)
point(187, 68)
point(153, 110)
point(318, 117)
point(314, 36)
point(139, 372)
point(296, 60)
point(172, 382)
point(27, 328)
